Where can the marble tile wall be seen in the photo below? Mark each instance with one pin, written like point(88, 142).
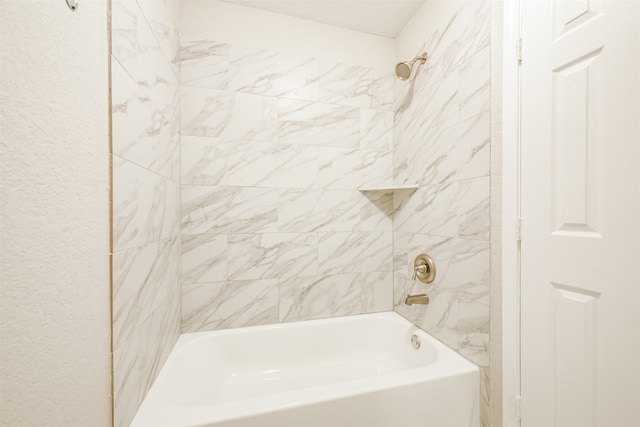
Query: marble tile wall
point(273, 150)
point(441, 143)
point(235, 181)
point(146, 196)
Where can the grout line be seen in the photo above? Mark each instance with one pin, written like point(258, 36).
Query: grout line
point(146, 169)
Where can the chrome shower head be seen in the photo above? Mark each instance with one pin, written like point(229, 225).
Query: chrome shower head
point(403, 69)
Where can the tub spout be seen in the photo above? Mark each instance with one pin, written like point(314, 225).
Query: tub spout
point(417, 299)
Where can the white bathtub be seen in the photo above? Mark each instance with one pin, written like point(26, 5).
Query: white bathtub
point(358, 371)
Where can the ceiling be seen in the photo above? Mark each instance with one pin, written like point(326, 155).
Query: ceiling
point(382, 17)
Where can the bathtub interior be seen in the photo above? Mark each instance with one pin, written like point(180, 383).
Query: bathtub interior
point(241, 364)
point(283, 373)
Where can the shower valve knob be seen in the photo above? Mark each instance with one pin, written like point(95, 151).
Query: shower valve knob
point(424, 269)
point(420, 268)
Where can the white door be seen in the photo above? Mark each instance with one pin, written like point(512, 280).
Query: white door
point(580, 189)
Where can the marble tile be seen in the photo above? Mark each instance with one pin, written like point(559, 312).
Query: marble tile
point(473, 332)
point(146, 196)
point(273, 73)
point(219, 209)
point(439, 318)
point(158, 335)
point(472, 26)
point(376, 213)
point(315, 123)
point(402, 286)
point(174, 134)
point(430, 100)
point(443, 41)
point(339, 168)
point(461, 265)
point(280, 165)
point(430, 210)
point(474, 208)
point(474, 146)
point(204, 64)
point(204, 160)
point(376, 169)
point(162, 17)
point(272, 255)
point(350, 169)
point(248, 163)
point(142, 133)
point(126, 381)
point(410, 94)
point(136, 48)
point(359, 252)
point(376, 130)
point(143, 278)
point(474, 95)
point(319, 210)
point(380, 88)
point(401, 241)
point(376, 290)
point(437, 160)
point(344, 83)
point(458, 152)
point(485, 392)
point(460, 208)
point(356, 86)
point(305, 298)
point(230, 304)
point(441, 141)
point(145, 205)
point(421, 117)
point(206, 112)
point(461, 287)
point(400, 159)
point(204, 258)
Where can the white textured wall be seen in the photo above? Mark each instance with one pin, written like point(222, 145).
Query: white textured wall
point(54, 262)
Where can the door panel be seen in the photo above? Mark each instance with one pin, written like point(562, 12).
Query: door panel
point(574, 321)
point(575, 91)
point(580, 327)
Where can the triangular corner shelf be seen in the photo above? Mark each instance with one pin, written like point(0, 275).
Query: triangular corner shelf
point(390, 187)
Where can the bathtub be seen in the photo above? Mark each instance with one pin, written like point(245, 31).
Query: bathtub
point(357, 371)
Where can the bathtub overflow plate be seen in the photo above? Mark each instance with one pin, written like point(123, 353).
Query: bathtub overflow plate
point(415, 341)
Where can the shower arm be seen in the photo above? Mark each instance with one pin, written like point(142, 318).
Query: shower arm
point(422, 58)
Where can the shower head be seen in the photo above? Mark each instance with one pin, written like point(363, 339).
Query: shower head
point(403, 69)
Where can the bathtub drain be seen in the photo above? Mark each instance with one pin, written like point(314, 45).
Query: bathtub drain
point(415, 341)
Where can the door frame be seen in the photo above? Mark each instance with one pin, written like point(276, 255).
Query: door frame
point(510, 203)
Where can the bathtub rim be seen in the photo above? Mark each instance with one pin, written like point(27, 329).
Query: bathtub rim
point(448, 364)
